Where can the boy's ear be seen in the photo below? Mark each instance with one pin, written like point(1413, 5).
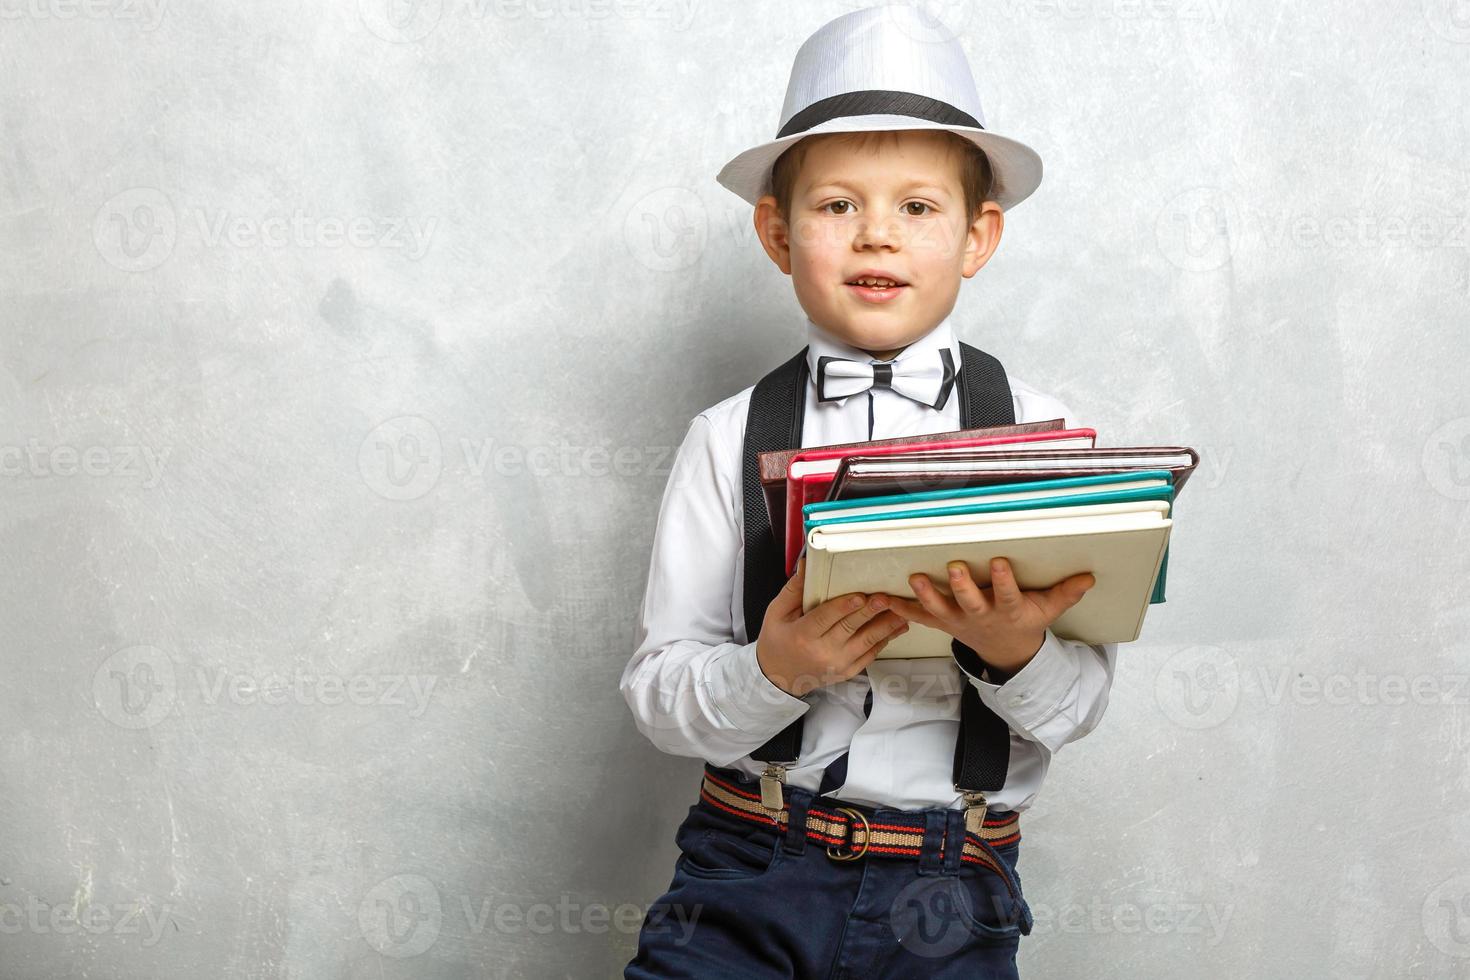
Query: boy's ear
point(983, 237)
point(774, 232)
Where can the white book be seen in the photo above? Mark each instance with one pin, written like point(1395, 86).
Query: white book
point(1121, 544)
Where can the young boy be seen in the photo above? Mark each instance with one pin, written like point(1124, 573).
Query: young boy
point(860, 849)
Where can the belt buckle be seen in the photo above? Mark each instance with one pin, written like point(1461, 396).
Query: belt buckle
point(837, 855)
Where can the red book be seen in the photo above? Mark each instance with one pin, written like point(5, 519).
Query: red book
point(775, 462)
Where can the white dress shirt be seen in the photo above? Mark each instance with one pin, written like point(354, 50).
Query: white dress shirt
point(696, 689)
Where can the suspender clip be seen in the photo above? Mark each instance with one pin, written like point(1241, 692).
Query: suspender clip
point(976, 807)
point(772, 780)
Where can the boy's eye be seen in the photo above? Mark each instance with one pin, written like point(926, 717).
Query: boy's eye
point(846, 205)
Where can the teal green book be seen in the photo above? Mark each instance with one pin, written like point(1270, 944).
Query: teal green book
point(972, 500)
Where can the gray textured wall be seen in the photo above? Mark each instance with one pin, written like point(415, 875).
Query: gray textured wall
point(344, 347)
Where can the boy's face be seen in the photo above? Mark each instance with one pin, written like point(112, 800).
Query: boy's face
point(894, 205)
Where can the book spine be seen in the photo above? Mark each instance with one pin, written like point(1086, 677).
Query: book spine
point(1158, 595)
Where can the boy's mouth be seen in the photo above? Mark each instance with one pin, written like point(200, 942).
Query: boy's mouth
point(876, 288)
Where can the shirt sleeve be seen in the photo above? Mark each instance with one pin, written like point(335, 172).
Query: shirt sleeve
point(1058, 697)
point(692, 689)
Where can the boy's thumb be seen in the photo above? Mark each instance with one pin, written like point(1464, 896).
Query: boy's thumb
point(791, 592)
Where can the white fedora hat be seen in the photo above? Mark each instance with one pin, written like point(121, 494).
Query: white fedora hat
point(884, 68)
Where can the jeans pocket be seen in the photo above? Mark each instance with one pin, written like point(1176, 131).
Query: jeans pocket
point(936, 917)
point(716, 854)
point(996, 905)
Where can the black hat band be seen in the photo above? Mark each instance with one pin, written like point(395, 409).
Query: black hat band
point(876, 102)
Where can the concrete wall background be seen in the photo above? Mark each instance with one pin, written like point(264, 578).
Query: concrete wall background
point(319, 324)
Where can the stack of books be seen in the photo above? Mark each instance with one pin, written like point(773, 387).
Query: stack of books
point(870, 514)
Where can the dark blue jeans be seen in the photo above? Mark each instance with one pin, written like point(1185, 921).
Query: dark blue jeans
point(746, 903)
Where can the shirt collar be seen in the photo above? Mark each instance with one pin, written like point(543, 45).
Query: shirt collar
point(820, 342)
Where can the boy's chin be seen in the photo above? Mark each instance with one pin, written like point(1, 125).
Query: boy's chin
point(869, 337)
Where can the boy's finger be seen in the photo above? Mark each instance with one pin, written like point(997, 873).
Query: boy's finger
point(831, 612)
point(1003, 585)
point(875, 632)
point(865, 658)
point(911, 610)
point(934, 602)
point(967, 594)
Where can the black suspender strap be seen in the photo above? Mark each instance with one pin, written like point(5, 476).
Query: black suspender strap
point(985, 397)
point(774, 421)
point(982, 750)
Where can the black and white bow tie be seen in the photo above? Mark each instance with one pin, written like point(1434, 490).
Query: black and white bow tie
point(927, 378)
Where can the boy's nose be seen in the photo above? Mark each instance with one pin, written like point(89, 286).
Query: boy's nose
point(878, 232)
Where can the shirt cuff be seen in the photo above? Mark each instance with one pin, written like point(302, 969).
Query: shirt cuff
point(1032, 695)
point(971, 663)
point(748, 699)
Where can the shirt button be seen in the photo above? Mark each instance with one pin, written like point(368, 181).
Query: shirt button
point(1018, 699)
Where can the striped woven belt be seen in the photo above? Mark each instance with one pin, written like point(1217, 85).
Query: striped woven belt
point(853, 833)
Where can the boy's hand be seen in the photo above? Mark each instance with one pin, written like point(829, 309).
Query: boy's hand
point(835, 641)
point(1002, 623)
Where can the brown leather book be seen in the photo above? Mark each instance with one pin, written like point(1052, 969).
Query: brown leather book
point(860, 476)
